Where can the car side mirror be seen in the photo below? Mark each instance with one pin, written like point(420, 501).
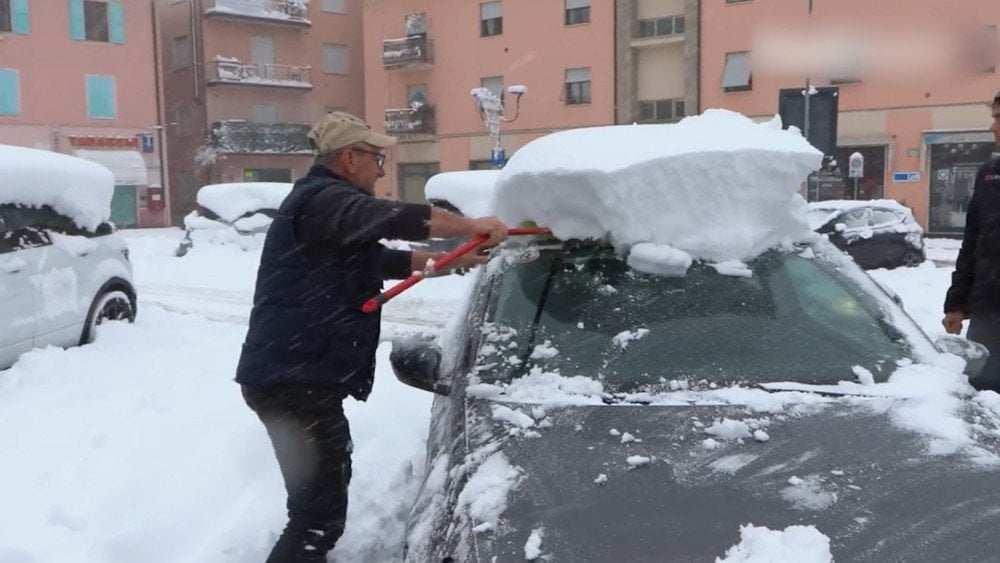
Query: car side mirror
point(416, 362)
point(974, 353)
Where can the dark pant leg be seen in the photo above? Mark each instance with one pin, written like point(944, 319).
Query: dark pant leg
point(312, 442)
point(985, 329)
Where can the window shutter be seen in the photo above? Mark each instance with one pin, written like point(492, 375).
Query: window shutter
point(77, 27)
point(578, 75)
point(100, 96)
point(736, 73)
point(572, 4)
point(490, 10)
point(116, 22)
point(10, 102)
point(19, 9)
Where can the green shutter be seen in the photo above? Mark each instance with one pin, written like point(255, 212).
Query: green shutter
point(19, 11)
point(10, 99)
point(101, 97)
point(116, 22)
point(77, 25)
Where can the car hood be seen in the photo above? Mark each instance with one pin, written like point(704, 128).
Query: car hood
point(844, 468)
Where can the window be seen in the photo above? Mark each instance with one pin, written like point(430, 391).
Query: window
point(182, 52)
point(884, 218)
point(413, 178)
point(670, 25)
point(872, 184)
point(578, 86)
point(577, 11)
point(265, 113)
point(661, 110)
point(736, 76)
point(101, 97)
point(490, 19)
point(10, 92)
point(493, 84)
point(267, 175)
point(334, 6)
point(183, 119)
point(14, 16)
point(335, 58)
point(94, 20)
point(6, 21)
point(95, 17)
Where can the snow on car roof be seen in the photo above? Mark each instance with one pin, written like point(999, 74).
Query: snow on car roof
point(75, 187)
point(471, 191)
point(847, 204)
point(233, 200)
point(718, 186)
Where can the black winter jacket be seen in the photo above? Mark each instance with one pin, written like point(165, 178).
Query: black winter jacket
point(321, 260)
point(975, 285)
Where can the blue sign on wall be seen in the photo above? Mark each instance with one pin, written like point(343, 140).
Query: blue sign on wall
point(146, 139)
point(906, 177)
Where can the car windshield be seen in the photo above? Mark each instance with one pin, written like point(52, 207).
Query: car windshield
point(586, 313)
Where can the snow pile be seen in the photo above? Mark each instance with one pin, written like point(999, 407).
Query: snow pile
point(802, 544)
point(232, 201)
point(77, 188)
point(533, 547)
point(664, 184)
point(471, 191)
point(485, 494)
point(808, 493)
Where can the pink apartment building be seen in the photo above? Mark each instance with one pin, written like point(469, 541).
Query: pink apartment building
point(434, 52)
point(245, 79)
point(79, 77)
point(913, 78)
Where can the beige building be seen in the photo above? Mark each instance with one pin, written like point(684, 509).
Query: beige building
point(244, 79)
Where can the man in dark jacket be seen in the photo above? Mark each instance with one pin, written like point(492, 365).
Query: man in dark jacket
point(975, 285)
point(309, 345)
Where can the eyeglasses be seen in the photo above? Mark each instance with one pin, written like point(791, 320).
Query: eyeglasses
point(379, 157)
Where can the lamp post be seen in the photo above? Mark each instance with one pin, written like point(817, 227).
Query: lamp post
point(490, 108)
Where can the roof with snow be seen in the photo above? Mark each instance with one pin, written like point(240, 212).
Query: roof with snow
point(471, 191)
point(75, 187)
point(718, 186)
point(233, 200)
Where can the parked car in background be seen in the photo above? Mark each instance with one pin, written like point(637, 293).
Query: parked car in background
point(876, 233)
point(233, 214)
point(63, 268)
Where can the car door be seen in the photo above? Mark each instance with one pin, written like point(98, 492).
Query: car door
point(17, 305)
point(856, 236)
point(60, 284)
point(888, 241)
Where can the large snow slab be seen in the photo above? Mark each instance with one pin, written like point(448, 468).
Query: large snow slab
point(717, 186)
point(75, 187)
point(471, 191)
point(233, 200)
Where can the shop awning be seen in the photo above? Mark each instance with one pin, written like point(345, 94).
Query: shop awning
point(128, 167)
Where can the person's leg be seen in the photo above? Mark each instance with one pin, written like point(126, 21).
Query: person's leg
point(311, 440)
point(985, 329)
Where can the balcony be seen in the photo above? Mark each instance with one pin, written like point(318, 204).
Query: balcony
point(243, 137)
point(282, 12)
point(408, 122)
point(410, 53)
point(222, 70)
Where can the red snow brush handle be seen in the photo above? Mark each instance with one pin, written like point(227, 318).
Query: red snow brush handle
point(382, 298)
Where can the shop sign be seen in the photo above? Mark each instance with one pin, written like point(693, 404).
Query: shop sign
point(905, 177)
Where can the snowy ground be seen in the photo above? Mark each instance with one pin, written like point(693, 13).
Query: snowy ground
point(139, 447)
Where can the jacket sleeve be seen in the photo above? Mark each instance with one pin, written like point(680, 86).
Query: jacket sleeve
point(395, 264)
point(962, 278)
point(340, 217)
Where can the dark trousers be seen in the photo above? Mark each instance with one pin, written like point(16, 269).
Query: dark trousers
point(312, 442)
point(985, 329)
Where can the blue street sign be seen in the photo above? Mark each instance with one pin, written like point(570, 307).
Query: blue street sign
point(905, 177)
point(147, 141)
point(498, 157)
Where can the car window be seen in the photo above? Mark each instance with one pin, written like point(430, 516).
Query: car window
point(19, 231)
point(884, 217)
point(857, 219)
point(795, 319)
point(40, 218)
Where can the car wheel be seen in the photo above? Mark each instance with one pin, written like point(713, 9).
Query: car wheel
point(912, 258)
point(109, 305)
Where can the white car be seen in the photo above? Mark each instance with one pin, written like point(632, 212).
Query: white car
point(63, 269)
point(233, 214)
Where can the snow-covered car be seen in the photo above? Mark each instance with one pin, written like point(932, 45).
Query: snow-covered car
point(236, 213)
point(465, 192)
point(63, 268)
point(877, 234)
point(678, 394)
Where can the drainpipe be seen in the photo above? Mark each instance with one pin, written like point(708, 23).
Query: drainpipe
point(160, 112)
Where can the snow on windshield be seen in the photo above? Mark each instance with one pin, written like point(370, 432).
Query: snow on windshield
point(717, 186)
point(77, 188)
point(231, 201)
point(471, 191)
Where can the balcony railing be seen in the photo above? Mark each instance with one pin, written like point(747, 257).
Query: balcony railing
point(406, 121)
point(223, 70)
point(407, 52)
point(289, 12)
point(244, 137)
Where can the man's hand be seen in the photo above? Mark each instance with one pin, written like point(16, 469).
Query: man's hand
point(953, 322)
point(490, 226)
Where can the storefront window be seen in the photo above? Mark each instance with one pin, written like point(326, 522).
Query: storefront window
point(953, 173)
point(267, 175)
point(872, 184)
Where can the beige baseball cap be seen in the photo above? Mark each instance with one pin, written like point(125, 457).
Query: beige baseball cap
point(339, 129)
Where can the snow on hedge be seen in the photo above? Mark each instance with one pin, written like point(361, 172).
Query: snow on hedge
point(75, 187)
point(233, 200)
point(471, 191)
point(717, 186)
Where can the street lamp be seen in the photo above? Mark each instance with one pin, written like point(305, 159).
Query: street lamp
point(490, 108)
